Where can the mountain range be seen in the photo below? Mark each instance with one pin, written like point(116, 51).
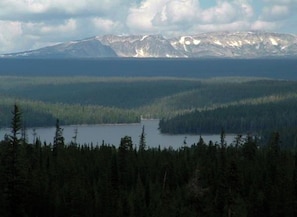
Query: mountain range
point(204, 45)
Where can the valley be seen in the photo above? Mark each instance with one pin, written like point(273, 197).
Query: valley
point(238, 104)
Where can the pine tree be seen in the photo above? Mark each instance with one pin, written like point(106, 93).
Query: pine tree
point(125, 162)
point(142, 142)
point(16, 126)
point(14, 168)
point(58, 139)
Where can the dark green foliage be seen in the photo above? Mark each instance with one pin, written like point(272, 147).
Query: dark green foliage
point(13, 183)
point(247, 178)
point(91, 100)
point(58, 138)
point(142, 142)
point(240, 119)
point(121, 94)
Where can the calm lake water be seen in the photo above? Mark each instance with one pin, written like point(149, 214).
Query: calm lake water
point(112, 134)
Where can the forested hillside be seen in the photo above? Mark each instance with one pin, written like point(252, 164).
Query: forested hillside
point(245, 178)
point(86, 100)
point(94, 100)
point(258, 116)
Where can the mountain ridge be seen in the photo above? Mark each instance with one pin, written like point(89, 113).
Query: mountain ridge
point(249, 44)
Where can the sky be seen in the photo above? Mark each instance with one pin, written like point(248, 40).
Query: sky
point(31, 24)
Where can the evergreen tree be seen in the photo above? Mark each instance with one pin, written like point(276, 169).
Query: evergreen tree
point(58, 139)
point(16, 126)
point(142, 142)
point(14, 179)
point(125, 160)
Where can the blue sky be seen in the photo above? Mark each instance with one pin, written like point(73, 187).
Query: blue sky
point(30, 24)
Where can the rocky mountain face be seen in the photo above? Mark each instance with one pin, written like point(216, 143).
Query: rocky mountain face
point(216, 45)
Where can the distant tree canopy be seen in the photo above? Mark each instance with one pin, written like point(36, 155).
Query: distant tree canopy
point(95, 100)
point(248, 118)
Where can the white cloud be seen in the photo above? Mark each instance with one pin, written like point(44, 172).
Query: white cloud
point(275, 12)
point(28, 24)
point(228, 12)
point(185, 15)
point(279, 8)
point(105, 25)
point(224, 12)
point(65, 28)
point(20, 36)
point(278, 15)
point(180, 11)
point(264, 25)
point(11, 35)
point(234, 26)
point(43, 9)
point(247, 10)
point(140, 16)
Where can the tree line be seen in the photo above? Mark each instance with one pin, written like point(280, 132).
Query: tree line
point(261, 119)
point(244, 178)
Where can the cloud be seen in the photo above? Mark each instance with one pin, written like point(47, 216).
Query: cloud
point(275, 12)
point(65, 28)
point(177, 12)
point(224, 12)
point(140, 16)
point(278, 15)
point(105, 25)
point(186, 15)
point(234, 26)
point(279, 9)
point(28, 24)
point(32, 10)
point(228, 12)
point(45, 22)
point(42, 32)
point(264, 25)
point(13, 31)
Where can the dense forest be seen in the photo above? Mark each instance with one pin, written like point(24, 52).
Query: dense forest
point(86, 100)
point(277, 114)
point(95, 100)
point(245, 178)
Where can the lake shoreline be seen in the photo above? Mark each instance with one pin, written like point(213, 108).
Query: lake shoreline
point(111, 134)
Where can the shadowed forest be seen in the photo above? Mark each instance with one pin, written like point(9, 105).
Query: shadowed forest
point(245, 178)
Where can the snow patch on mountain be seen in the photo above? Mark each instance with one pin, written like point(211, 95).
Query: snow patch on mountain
point(273, 41)
point(214, 44)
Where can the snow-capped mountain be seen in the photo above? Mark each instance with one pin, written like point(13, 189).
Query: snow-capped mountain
point(141, 46)
point(237, 45)
point(216, 44)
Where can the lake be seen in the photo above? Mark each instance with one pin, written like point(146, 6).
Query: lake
point(112, 134)
point(151, 67)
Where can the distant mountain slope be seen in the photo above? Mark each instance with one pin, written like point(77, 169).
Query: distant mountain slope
point(216, 44)
point(88, 48)
point(241, 44)
point(141, 46)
